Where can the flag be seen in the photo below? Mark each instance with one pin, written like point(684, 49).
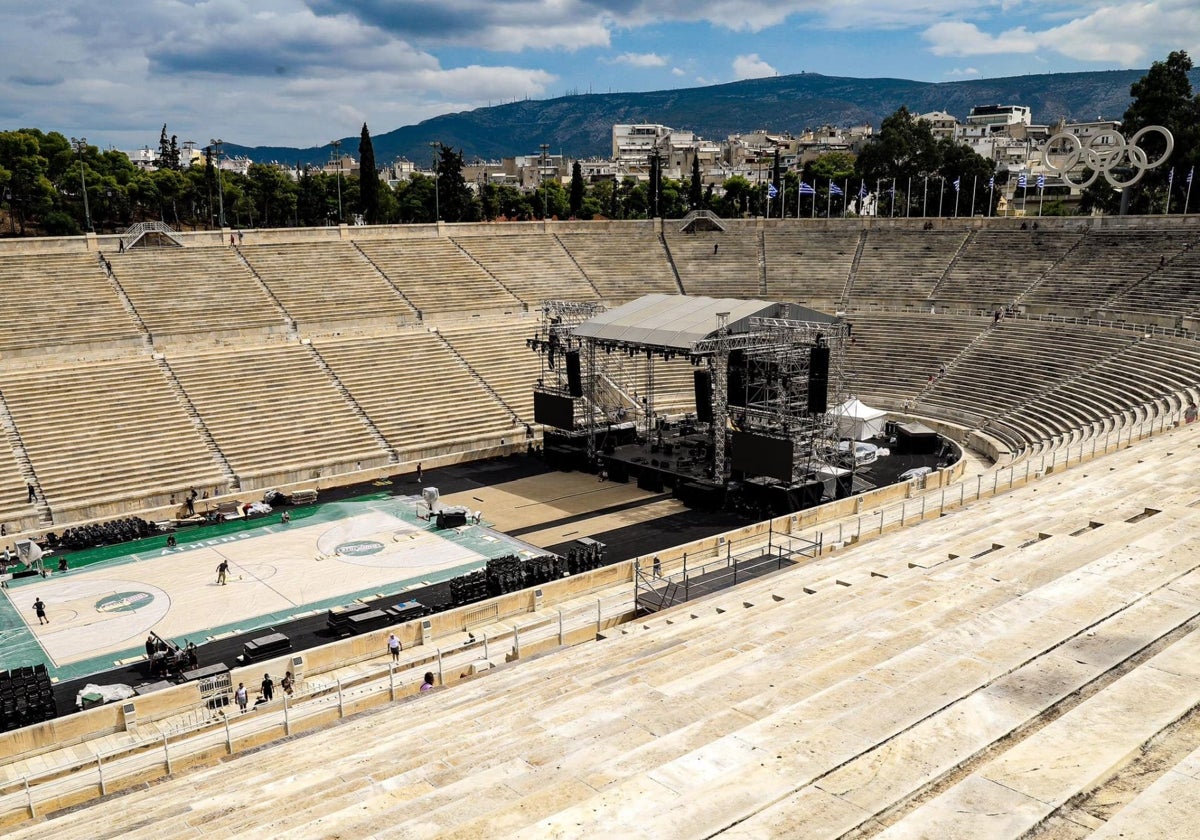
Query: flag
point(834, 189)
point(1021, 181)
point(771, 191)
point(806, 189)
point(958, 183)
point(862, 190)
point(1171, 178)
point(992, 183)
point(892, 189)
point(1041, 181)
point(1189, 177)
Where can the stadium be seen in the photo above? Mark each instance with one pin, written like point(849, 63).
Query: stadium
point(1000, 647)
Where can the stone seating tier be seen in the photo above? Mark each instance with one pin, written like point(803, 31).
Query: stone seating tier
point(718, 263)
point(535, 267)
point(622, 268)
point(809, 267)
point(438, 277)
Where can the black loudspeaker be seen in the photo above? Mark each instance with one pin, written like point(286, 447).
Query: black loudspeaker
point(737, 378)
point(574, 380)
point(702, 382)
point(818, 381)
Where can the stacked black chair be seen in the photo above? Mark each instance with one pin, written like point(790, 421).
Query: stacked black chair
point(26, 697)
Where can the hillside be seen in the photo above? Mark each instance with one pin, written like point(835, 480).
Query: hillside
point(581, 125)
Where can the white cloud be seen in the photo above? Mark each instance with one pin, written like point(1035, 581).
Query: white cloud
point(678, 71)
point(639, 59)
point(963, 71)
point(477, 82)
point(752, 67)
point(1126, 33)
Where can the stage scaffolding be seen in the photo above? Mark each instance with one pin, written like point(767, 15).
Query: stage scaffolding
point(772, 358)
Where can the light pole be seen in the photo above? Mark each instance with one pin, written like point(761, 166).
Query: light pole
point(80, 146)
point(337, 151)
point(542, 183)
point(435, 146)
point(220, 184)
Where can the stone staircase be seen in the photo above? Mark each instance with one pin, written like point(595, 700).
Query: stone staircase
point(387, 279)
point(393, 455)
point(210, 442)
point(126, 303)
point(293, 330)
point(45, 515)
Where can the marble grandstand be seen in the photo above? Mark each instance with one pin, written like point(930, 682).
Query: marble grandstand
point(978, 655)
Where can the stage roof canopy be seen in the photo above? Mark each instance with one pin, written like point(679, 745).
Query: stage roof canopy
point(680, 322)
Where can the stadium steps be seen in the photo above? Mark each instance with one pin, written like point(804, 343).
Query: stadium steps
point(393, 455)
point(1141, 281)
point(1051, 269)
point(462, 360)
point(662, 238)
point(12, 489)
point(198, 421)
point(762, 264)
point(387, 279)
point(292, 330)
point(126, 303)
point(489, 273)
point(571, 256)
point(852, 275)
point(958, 255)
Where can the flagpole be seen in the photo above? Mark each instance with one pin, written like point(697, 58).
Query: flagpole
point(956, 192)
point(974, 184)
point(991, 195)
point(1041, 197)
point(941, 193)
point(908, 199)
point(925, 197)
point(1170, 184)
point(846, 197)
point(1187, 198)
point(1024, 196)
point(814, 204)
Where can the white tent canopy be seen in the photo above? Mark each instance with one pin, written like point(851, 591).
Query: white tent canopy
point(857, 420)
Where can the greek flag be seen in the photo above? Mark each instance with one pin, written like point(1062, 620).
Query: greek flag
point(771, 191)
point(958, 183)
point(992, 183)
point(834, 189)
point(862, 190)
point(1021, 181)
point(1171, 178)
point(806, 189)
point(1189, 177)
point(1041, 181)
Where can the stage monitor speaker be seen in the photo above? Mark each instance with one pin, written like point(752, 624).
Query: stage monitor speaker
point(702, 383)
point(574, 379)
point(818, 381)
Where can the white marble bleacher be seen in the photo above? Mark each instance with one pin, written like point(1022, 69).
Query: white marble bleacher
point(106, 432)
point(533, 266)
point(903, 266)
point(808, 266)
point(1171, 290)
point(16, 513)
point(420, 396)
point(327, 284)
point(274, 413)
point(997, 266)
point(496, 351)
point(892, 355)
point(60, 303)
point(1017, 361)
point(623, 267)
point(1103, 266)
point(437, 277)
point(829, 709)
point(196, 294)
point(720, 264)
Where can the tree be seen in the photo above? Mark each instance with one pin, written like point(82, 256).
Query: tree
point(576, 188)
point(652, 187)
point(455, 200)
point(695, 197)
point(903, 148)
point(368, 177)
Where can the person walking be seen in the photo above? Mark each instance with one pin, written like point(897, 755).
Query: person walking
point(419, 473)
point(222, 572)
point(286, 683)
point(268, 688)
point(242, 696)
point(33, 493)
point(393, 645)
point(39, 607)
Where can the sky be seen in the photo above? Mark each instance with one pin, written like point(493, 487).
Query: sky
point(302, 72)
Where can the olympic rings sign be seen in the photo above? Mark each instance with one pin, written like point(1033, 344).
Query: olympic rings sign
point(1104, 153)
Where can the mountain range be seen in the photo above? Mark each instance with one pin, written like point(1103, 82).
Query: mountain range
point(581, 125)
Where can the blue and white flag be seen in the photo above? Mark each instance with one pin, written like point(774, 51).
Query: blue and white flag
point(1189, 177)
point(1041, 181)
point(862, 190)
point(1021, 181)
point(958, 183)
point(834, 189)
point(807, 189)
point(1171, 178)
point(992, 183)
point(771, 191)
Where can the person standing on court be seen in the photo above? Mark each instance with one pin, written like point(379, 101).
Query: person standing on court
point(419, 473)
point(268, 688)
point(39, 607)
point(393, 645)
point(222, 572)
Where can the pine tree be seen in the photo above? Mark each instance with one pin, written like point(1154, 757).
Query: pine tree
point(163, 161)
point(576, 188)
point(695, 196)
point(368, 179)
point(652, 193)
point(613, 207)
